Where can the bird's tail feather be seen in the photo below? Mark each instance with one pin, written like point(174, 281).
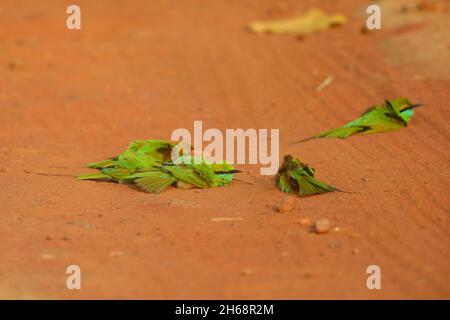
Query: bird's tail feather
point(304, 140)
point(92, 176)
point(102, 164)
point(341, 133)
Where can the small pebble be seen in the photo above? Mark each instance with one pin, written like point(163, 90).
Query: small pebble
point(322, 226)
point(355, 251)
point(305, 222)
point(288, 204)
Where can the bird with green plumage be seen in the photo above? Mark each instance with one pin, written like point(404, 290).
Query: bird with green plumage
point(140, 155)
point(189, 173)
point(388, 116)
point(147, 164)
point(295, 176)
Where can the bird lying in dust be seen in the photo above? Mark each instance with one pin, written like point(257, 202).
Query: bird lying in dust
point(295, 176)
point(147, 165)
point(140, 155)
point(388, 116)
point(185, 175)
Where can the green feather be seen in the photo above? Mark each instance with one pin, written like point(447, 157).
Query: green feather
point(92, 176)
point(155, 182)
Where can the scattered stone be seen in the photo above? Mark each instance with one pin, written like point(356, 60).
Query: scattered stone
point(48, 238)
point(65, 238)
point(305, 222)
point(355, 251)
point(4, 169)
point(288, 204)
point(336, 229)
point(354, 235)
point(322, 226)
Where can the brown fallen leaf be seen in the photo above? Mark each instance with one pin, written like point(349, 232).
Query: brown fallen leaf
point(314, 20)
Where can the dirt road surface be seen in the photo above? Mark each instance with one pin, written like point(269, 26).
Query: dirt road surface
point(139, 70)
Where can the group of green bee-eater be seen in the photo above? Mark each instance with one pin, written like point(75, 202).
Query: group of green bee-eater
point(147, 164)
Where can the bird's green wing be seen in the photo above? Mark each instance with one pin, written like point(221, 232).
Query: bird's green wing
point(308, 185)
point(155, 181)
point(187, 174)
point(103, 164)
point(160, 150)
point(117, 173)
point(283, 183)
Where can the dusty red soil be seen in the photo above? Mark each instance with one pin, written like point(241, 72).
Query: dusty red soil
point(140, 69)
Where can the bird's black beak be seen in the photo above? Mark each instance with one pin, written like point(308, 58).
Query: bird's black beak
point(228, 172)
point(416, 106)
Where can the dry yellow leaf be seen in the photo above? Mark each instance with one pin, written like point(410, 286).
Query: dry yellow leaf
point(313, 21)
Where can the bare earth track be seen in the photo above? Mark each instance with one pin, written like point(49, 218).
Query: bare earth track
point(140, 69)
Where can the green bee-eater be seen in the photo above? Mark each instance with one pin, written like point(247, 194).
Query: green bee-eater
point(295, 176)
point(140, 155)
point(388, 116)
point(185, 175)
point(147, 164)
